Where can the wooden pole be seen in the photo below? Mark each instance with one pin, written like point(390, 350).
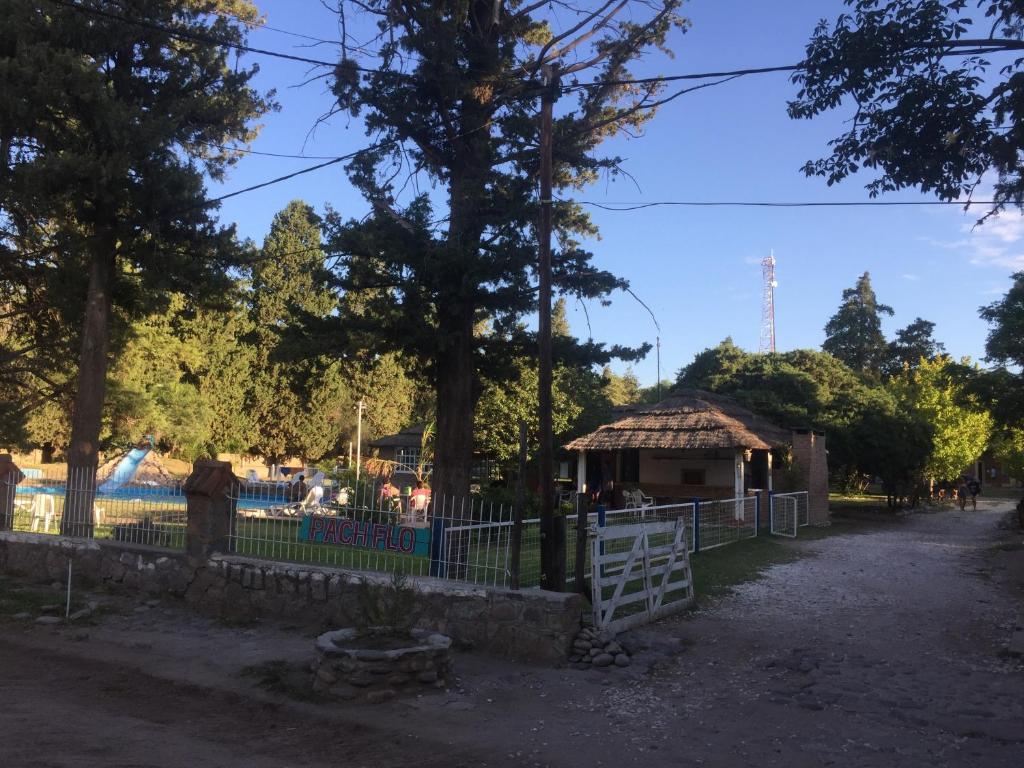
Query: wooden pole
point(552, 566)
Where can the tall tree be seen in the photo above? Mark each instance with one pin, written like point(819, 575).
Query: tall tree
point(912, 344)
point(451, 97)
point(854, 333)
point(937, 107)
point(962, 426)
point(295, 391)
point(111, 116)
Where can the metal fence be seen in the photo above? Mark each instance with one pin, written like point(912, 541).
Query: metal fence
point(373, 528)
point(133, 512)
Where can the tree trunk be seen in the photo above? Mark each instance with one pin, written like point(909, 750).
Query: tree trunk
point(453, 443)
point(87, 412)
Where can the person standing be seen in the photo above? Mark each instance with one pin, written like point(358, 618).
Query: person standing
point(962, 491)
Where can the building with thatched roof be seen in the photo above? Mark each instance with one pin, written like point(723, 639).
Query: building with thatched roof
point(691, 444)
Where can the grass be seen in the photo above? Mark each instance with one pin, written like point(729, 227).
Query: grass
point(18, 597)
point(283, 677)
point(717, 571)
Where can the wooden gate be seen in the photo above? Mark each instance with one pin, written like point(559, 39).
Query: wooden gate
point(639, 573)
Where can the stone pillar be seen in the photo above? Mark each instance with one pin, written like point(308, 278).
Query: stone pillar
point(10, 476)
point(211, 508)
point(811, 464)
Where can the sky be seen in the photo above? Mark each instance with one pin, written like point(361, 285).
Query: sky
point(698, 269)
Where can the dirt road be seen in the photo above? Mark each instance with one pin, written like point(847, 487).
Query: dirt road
point(884, 648)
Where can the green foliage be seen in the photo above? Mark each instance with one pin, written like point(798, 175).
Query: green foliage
point(924, 118)
point(578, 405)
point(624, 389)
point(854, 333)
point(385, 606)
point(807, 388)
point(962, 427)
point(1008, 448)
point(912, 344)
point(1005, 343)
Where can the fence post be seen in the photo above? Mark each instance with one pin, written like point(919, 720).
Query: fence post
point(210, 508)
point(771, 509)
point(757, 512)
point(696, 524)
point(438, 566)
point(10, 476)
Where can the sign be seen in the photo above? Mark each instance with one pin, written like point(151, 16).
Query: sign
point(401, 539)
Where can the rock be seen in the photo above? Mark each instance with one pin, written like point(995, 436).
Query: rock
point(81, 613)
point(94, 605)
point(53, 608)
point(574, 658)
point(594, 652)
point(605, 637)
point(582, 645)
point(603, 660)
point(379, 697)
point(622, 660)
point(613, 648)
point(48, 620)
point(23, 616)
point(344, 691)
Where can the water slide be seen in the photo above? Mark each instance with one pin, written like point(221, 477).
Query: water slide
point(125, 470)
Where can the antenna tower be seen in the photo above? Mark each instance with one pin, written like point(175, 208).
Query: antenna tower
point(768, 304)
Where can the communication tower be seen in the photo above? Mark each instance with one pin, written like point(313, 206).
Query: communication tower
point(768, 304)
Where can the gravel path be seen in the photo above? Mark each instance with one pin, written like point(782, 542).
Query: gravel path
point(876, 649)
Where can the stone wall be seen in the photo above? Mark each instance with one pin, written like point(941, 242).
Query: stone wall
point(527, 624)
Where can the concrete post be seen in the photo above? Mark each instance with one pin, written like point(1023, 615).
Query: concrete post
point(209, 493)
point(10, 476)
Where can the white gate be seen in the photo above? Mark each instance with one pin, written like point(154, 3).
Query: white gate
point(639, 573)
point(784, 515)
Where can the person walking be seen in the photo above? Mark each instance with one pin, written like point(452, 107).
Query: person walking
point(962, 491)
point(974, 488)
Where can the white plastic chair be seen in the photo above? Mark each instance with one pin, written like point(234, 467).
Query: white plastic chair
point(42, 512)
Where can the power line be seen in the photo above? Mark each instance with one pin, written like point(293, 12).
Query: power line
point(775, 204)
point(268, 154)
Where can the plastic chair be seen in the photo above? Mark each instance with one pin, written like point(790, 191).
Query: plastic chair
point(42, 511)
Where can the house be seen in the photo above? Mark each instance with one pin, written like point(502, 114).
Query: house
point(696, 444)
point(404, 450)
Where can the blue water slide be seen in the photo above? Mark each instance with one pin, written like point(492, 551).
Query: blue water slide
point(125, 470)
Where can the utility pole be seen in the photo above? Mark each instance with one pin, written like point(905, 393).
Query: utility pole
point(359, 443)
point(658, 345)
point(552, 543)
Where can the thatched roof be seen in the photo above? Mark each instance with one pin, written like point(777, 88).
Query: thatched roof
point(687, 418)
point(410, 437)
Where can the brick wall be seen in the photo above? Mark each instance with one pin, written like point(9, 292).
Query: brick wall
point(810, 462)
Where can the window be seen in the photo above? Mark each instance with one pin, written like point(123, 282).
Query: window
point(408, 459)
point(693, 476)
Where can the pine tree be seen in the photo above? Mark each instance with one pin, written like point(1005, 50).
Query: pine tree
point(854, 333)
point(453, 93)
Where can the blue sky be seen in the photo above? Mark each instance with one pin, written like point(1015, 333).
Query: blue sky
point(697, 268)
